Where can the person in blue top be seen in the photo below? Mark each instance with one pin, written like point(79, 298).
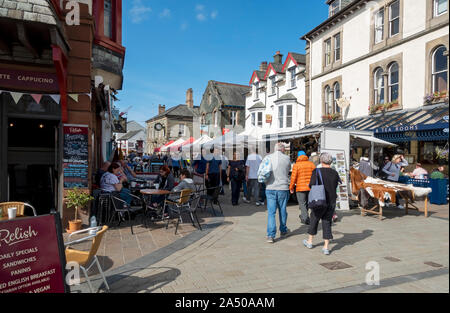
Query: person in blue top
point(200, 164)
point(213, 174)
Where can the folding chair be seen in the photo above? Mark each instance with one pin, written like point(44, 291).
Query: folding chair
point(86, 259)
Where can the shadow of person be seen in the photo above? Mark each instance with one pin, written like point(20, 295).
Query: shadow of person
point(302, 230)
point(350, 239)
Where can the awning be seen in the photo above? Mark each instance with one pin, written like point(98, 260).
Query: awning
point(375, 140)
point(168, 147)
point(159, 149)
point(428, 123)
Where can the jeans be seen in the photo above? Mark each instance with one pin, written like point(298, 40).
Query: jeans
point(276, 199)
point(252, 190)
point(302, 198)
point(235, 191)
point(262, 192)
point(326, 215)
point(125, 195)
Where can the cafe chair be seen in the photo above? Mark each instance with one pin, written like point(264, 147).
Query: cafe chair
point(86, 259)
point(177, 205)
point(121, 208)
point(212, 199)
point(20, 208)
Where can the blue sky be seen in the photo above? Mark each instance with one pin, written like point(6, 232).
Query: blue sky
point(173, 45)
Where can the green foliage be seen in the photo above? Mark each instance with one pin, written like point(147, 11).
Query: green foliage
point(77, 199)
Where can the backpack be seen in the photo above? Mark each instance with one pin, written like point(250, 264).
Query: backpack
point(265, 170)
point(382, 174)
point(317, 198)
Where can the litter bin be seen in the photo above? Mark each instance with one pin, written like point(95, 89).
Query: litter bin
point(439, 191)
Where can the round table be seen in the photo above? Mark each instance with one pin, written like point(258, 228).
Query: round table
point(151, 192)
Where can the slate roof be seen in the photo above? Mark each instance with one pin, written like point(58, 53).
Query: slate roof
point(288, 96)
point(230, 94)
point(258, 105)
point(28, 10)
point(130, 134)
point(300, 58)
point(176, 111)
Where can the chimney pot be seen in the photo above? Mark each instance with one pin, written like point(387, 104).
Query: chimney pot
point(263, 66)
point(278, 58)
point(161, 109)
point(190, 98)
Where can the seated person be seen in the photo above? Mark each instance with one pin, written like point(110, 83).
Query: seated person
point(129, 173)
point(185, 183)
point(100, 172)
point(166, 181)
point(438, 173)
point(419, 172)
point(111, 183)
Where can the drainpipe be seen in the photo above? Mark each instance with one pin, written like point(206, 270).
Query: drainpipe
point(310, 79)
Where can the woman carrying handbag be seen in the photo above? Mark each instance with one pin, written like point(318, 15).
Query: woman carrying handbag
point(322, 201)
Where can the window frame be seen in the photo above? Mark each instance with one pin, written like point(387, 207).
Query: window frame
point(256, 92)
point(281, 117)
point(181, 129)
point(433, 68)
point(336, 48)
point(336, 108)
point(327, 54)
point(390, 84)
point(292, 82)
point(332, 11)
point(379, 27)
point(253, 119)
point(435, 7)
point(273, 84)
point(233, 118)
point(327, 92)
point(391, 20)
point(378, 90)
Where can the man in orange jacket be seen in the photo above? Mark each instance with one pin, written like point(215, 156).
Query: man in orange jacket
point(300, 178)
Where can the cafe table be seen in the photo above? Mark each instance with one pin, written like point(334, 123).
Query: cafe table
point(155, 192)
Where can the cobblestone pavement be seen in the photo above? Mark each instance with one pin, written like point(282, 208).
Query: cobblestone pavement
point(412, 252)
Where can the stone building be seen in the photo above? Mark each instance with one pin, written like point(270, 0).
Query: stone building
point(176, 122)
point(222, 108)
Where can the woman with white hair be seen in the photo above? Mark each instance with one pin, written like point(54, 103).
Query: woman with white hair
point(392, 169)
point(330, 179)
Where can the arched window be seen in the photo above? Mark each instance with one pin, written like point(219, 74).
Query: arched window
point(393, 82)
point(439, 70)
point(378, 88)
point(337, 96)
point(328, 100)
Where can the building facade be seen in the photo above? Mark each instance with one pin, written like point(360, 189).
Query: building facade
point(47, 86)
point(276, 101)
point(172, 124)
point(222, 108)
point(382, 66)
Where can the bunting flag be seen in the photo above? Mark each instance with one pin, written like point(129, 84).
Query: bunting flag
point(16, 96)
point(74, 96)
point(56, 98)
point(36, 97)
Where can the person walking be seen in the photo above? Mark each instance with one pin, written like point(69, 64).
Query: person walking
point(235, 176)
point(252, 165)
point(330, 179)
point(300, 178)
point(213, 173)
point(277, 191)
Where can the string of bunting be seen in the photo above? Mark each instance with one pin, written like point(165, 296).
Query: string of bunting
point(38, 96)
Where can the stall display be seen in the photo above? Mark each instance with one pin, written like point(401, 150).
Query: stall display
point(339, 161)
point(385, 191)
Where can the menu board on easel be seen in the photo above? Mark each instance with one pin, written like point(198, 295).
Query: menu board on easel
point(339, 164)
point(76, 156)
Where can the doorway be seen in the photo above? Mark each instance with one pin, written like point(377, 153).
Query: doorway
point(33, 162)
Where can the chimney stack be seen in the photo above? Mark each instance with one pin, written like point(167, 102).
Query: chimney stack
point(161, 109)
point(190, 98)
point(278, 58)
point(263, 67)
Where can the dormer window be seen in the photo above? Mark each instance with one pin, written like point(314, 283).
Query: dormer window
point(273, 84)
point(256, 91)
point(292, 76)
point(335, 7)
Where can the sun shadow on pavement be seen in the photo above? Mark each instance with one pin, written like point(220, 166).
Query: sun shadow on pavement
point(350, 239)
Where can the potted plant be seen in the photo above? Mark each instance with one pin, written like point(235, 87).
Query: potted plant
point(77, 199)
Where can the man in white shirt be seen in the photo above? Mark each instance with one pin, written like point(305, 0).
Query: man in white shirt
point(252, 165)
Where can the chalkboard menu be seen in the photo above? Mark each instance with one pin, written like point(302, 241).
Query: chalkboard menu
point(76, 156)
point(32, 258)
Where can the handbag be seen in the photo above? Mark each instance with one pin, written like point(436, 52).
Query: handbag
point(317, 198)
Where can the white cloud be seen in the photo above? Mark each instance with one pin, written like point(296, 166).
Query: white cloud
point(139, 11)
point(214, 14)
point(199, 7)
point(184, 26)
point(201, 17)
point(166, 13)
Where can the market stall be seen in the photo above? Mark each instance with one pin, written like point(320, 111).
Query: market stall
point(366, 188)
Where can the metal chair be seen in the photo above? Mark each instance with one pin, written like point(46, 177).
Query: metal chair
point(19, 205)
point(86, 259)
point(177, 205)
point(213, 198)
point(121, 208)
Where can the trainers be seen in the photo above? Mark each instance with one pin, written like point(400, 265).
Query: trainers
point(284, 234)
point(307, 244)
point(270, 240)
point(258, 203)
point(245, 200)
point(326, 251)
point(401, 207)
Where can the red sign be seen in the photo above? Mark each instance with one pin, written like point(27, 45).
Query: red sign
point(225, 130)
point(26, 80)
point(31, 260)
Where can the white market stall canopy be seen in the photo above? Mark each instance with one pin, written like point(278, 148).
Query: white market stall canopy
point(175, 143)
point(197, 143)
point(227, 140)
